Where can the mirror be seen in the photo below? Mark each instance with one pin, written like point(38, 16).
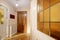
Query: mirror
point(48, 17)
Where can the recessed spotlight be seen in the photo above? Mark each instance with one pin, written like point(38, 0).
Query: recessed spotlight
point(17, 5)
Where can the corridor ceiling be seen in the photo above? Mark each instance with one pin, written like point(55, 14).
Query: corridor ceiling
point(21, 3)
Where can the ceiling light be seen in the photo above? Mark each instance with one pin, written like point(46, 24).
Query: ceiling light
point(17, 5)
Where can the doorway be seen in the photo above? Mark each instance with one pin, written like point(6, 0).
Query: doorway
point(21, 22)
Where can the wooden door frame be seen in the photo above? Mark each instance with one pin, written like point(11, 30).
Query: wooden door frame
point(17, 20)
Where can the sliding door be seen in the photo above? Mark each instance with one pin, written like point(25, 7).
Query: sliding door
point(55, 20)
point(43, 16)
point(49, 17)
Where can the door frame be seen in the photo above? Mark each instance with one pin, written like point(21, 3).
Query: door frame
point(26, 20)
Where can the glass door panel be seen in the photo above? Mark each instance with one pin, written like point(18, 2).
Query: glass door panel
point(40, 15)
point(46, 15)
point(49, 17)
point(46, 22)
point(43, 16)
point(46, 28)
point(55, 21)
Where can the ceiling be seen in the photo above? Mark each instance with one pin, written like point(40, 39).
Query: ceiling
point(21, 3)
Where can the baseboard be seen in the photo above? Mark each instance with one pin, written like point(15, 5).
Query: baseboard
point(10, 36)
point(13, 34)
point(3, 38)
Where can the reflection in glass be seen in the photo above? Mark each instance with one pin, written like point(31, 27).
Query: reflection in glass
point(46, 22)
point(55, 21)
point(43, 16)
point(40, 15)
point(49, 18)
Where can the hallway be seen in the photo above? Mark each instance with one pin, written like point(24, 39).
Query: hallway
point(29, 19)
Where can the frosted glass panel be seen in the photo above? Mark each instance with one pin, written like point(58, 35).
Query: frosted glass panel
point(49, 18)
point(55, 21)
point(46, 28)
point(46, 15)
point(43, 16)
point(55, 13)
point(40, 16)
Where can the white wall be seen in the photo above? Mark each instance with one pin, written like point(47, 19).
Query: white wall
point(9, 22)
point(13, 24)
point(35, 34)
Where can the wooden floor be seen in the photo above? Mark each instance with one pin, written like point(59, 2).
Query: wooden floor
point(19, 37)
